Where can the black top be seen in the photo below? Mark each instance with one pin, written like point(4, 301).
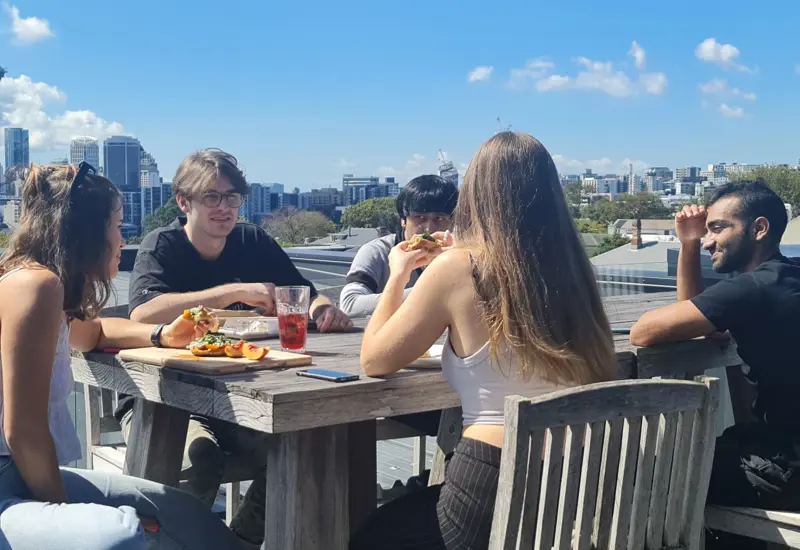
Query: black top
point(761, 309)
point(168, 262)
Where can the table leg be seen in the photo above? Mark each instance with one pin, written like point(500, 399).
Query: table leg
point(363, 465)
point(307, 490)
point(156, 442)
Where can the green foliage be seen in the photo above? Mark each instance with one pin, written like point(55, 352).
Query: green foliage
point(572, 192)
point(642, 205)
point(610, 242)
point(163, 216)
point(134, 240)
point(373, 213)
point(291, 226)
point(5, 238)
point(784, 181)
point(589, 226)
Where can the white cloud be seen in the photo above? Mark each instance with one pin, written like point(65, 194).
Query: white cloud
point(637, 53)
point(23, 103)
point(731, 112)
point(600, 166)
point(342, 163)
point(481, 73)
point(724, 55)
point(27, 30)
point(601, 76)
point(720, 88)
point(533, 70)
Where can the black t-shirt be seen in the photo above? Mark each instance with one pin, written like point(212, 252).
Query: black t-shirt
point(167, 262)
point(761, 309)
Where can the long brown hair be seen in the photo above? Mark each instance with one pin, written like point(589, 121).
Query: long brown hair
point(534, 280)
point(63, 227)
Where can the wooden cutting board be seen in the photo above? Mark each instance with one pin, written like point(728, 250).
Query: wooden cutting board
point(184, 360)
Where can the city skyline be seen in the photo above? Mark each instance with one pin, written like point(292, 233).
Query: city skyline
point(299, 103)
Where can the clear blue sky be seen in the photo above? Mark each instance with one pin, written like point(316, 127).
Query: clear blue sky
point(304, 91)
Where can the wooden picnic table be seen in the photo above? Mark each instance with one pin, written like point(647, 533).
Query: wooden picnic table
point(321, 461)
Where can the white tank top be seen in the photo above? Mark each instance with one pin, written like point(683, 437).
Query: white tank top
point(65, 437)
point(482, 386)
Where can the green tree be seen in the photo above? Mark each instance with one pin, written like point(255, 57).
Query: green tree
point(163, 216)
point(573, 192)
point(627, 207)
point(589, 226)
point(291, 226)
point(5, 238)
point(610, 242)
point(373, 213)
point(783, 180)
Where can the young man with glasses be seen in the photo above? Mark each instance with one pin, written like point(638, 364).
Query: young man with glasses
point(425, 203)
point(208, 257)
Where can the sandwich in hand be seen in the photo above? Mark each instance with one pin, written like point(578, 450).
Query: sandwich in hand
point(424, 242)
point(202, 316)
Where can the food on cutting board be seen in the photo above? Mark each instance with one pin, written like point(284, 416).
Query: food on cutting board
point(216, 345)
point(202, 316)
point(424, 241)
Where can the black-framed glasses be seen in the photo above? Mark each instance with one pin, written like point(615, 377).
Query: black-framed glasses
point(84, 168)
point(212, 199)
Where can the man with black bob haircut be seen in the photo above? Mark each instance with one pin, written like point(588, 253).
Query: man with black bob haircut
point(426, 203)
point(755, 463)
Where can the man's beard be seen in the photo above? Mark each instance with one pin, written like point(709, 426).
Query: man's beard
point(736, 255)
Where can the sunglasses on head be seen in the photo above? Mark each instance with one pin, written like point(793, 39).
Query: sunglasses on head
point(84, 168)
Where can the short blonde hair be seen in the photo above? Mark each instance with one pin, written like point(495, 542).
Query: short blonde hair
point(198, 172)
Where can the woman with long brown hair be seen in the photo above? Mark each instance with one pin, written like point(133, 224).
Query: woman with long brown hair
point(55, 278)
point(517, 296)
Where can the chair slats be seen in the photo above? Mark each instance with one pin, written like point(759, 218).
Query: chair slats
point(589, 479)
point(623, 501)
point(570, 481)
point(625, 465)
point(665, 447)
point(551, 482)
point(644, 482)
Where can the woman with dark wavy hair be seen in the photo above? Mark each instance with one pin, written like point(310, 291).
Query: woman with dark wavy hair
point(517, 296)
point(55, 278)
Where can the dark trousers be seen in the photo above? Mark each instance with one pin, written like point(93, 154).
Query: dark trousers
point(456, 515)
point(754, 466)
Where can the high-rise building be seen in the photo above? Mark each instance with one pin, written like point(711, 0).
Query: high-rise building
point(149, 176)
point(690, 174)
point(84, 149)
point(448, 172)
point(122, 161)
point(17, 147)
point(355, 188)
point(655, 177)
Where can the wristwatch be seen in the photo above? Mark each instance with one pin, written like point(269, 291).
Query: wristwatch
point(155, 337)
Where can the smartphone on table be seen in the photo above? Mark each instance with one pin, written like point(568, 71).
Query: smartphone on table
point(329, 375)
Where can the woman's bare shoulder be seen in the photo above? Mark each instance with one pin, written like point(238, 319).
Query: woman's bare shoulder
point(29, 286)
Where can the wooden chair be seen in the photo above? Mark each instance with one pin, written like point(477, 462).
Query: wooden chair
point(779, 528)
point(614, 465)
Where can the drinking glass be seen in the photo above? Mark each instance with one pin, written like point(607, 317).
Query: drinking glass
point(292, 303)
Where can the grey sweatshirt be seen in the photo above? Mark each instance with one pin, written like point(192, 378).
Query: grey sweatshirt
point(367, 277)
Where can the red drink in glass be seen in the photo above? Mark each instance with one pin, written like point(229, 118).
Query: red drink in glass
point(293, 328)
point(292, 304)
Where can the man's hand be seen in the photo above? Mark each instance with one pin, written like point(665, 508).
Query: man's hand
point(258, 295)
point(690, 223)
point(329, 318)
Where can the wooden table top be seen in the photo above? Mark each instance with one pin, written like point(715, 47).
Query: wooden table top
point(278, 400)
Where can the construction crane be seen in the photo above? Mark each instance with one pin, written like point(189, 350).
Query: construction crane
point(441, 157)
point(500, 126)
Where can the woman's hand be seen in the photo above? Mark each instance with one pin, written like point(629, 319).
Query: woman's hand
point(403, 261)
point(180, 332)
